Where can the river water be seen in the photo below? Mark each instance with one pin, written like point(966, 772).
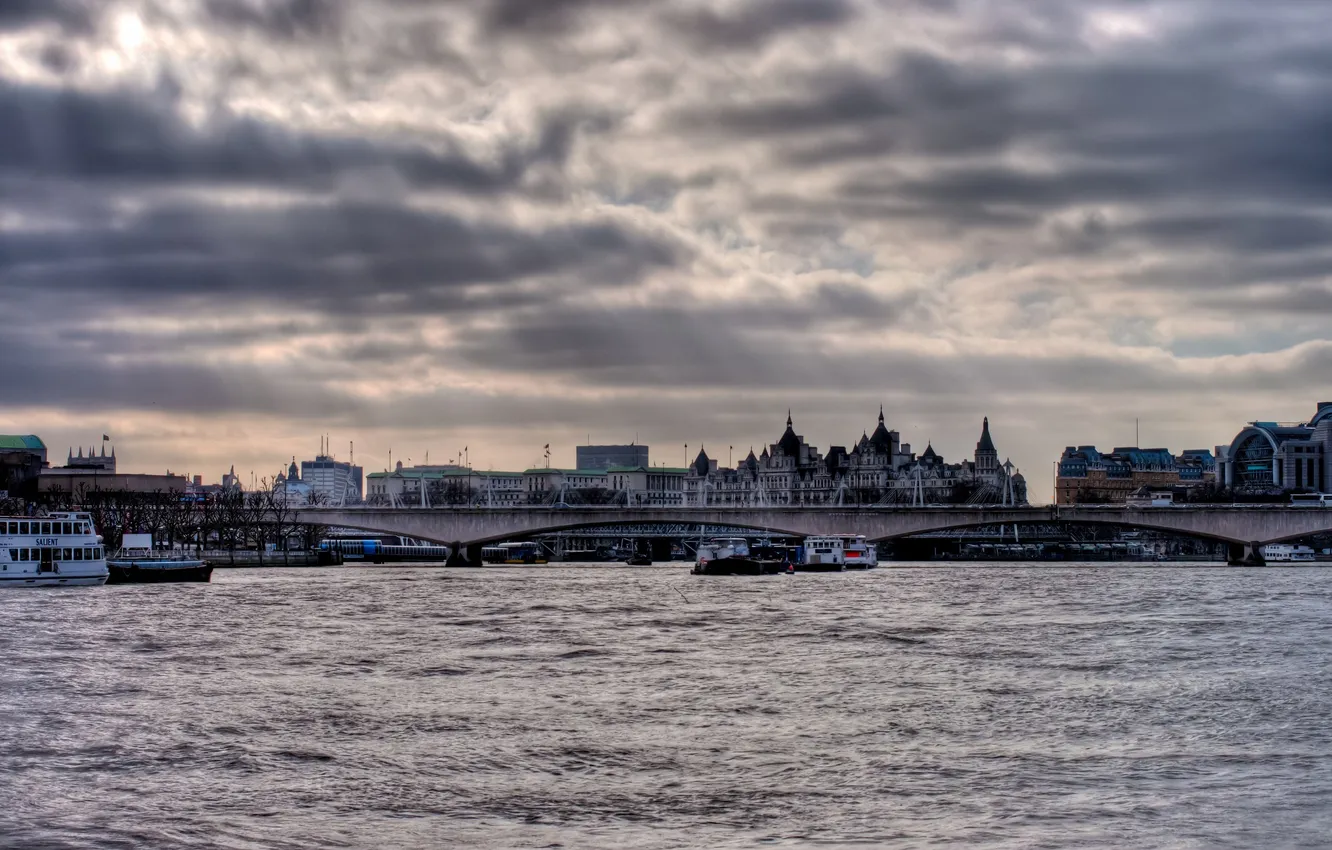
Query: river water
point(987, 706)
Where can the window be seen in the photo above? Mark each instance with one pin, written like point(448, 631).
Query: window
point(78, 554)
point(23, 528)
point(69, 555)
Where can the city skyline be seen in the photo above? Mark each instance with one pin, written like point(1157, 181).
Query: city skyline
point(501, 224)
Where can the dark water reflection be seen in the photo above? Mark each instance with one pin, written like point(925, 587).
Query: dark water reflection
point(621, 707)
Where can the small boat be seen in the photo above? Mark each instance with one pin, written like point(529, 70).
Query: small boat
point(730, 556)
point(640, 561)
point(822, 555)
point(858, 553)
point(57, 550)
point(138, 563)
point(526, 552)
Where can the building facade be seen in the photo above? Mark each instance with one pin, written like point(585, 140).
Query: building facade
point(443, 485)
point(879, 469)
point(605, 457)
point(98, 471)
point(22, 459)
point(1087, 475)
point(335, 482)
point(1279, 457)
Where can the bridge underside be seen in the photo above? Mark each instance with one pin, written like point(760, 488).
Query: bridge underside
point(469, 526)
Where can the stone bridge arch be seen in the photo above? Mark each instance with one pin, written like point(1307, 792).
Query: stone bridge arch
point(1250, 526)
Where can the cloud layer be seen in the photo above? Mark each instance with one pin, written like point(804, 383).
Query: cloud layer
point(228, 227)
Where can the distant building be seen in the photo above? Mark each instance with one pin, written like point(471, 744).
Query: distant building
point(333, 481)
point(605, 457)
point(443, 485)
point(1276, 457)
point(101, 463)
point(289, 489)
point(879, 469)
point(1089, 475)
point(22, 458)
point(230, 484)
point(97, 471)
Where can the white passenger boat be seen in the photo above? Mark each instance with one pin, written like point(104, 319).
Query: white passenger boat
point(57, 550)
point(822, 555)
point(858, 553)
point(1286, 553)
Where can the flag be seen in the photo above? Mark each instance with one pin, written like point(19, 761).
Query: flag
point(105, 438)
point(547, 445)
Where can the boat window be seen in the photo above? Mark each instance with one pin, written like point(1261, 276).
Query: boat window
point(69, 555)
point(23, 528)
point(78, 554)
point(65, 529)
point(46, 528)
point(13, 554)
point(13, 528)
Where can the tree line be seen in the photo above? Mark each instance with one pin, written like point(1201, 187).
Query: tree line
point(235, 521)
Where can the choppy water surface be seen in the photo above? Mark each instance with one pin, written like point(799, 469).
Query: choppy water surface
point(619, 707)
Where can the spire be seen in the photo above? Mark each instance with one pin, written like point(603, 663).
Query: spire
point(788, 417)
point(986, 444)
point(881, 414)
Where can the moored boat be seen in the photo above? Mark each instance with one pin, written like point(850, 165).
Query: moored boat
point(731, 556)
point(1287, 553)
point(138, 563)
point(858, 553)
point(60, 549)
point(822, 555)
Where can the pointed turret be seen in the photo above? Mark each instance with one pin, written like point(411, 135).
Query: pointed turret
point(789, 443)
point(987, 456)
point(986, 444)
point(881, 439)
point(702, 463)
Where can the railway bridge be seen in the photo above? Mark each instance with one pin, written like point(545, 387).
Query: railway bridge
point(1246, 528)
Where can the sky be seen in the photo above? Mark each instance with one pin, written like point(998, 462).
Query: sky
point(229, 227)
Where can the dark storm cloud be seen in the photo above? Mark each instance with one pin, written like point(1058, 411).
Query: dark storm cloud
point(682, 350)
point(140, 138)
point(538, 17)
point(757, 21)
point(347, 258)
point(78, 374)
point(283, 19)
point(73, 16)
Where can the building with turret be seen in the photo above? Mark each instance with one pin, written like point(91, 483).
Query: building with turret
point(878, 469)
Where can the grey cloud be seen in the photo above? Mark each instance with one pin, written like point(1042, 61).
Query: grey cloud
point(705, 350)
point(756, 21)
point(335, 258)
point(283, 19)
point(73, 16)
point(537, 17)
point(133, 136)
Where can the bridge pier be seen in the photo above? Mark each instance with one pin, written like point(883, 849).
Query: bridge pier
point(1245, 554)
point(464, 555)
point(660, 548)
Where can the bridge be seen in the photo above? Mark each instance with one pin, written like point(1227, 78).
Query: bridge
point(1246, 528)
